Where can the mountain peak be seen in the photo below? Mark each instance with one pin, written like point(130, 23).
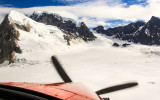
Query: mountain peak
point(150, 33)
point(61, 15)
point(155, 18)
point(9, 37)
point(73, 28)
point(154, 21)
point(16, 17)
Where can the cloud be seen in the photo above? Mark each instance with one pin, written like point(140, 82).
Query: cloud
point(93, 22)
point(140, 0)
point(98, 12)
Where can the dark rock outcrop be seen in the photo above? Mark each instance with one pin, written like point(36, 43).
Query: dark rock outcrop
point(139, 32)
point(22, 27)
point(125, 45)
point(8, 41)
point(67, 26)
point(120, 45)
point(115, 45)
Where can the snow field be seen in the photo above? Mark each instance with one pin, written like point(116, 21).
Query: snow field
point(96, 64)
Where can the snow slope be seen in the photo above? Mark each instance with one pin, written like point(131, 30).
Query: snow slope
point(41, 39)
point(96, 64)
point(37, 46)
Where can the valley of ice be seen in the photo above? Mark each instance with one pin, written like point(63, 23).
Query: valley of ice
point(96, 64)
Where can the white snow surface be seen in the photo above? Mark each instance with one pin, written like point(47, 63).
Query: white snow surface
point(17, 17)
point(96, 64)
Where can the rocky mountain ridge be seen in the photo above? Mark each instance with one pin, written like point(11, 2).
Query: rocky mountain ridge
point(138, 32)
point(9, 37)
point(71, 27)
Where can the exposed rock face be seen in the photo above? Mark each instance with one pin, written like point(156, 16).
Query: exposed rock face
point(149, 34)
point(121, 32)
point(8, 41)
point(73, 30)
point(139, 32)
point(22, 27)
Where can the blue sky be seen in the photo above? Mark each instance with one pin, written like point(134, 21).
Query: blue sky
point(132, 2)
point(34, 3)
point(110, 13)
point(29, 3)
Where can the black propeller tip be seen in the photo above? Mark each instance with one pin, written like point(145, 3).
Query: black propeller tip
point(116, 88)
point(60, 70)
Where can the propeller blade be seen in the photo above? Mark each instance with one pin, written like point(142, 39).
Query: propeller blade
point(60, 70)
point(116, 88)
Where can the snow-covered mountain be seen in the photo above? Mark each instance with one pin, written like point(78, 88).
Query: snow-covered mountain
point(149, 34)
point(122, 32)
point(138, 32)
point(21, 34)
point(72, 27)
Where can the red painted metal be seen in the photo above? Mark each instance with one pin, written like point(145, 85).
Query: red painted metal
point(65, 91)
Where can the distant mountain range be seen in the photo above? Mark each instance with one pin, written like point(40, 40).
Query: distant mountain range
point(49, 31)
point(138, 32)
